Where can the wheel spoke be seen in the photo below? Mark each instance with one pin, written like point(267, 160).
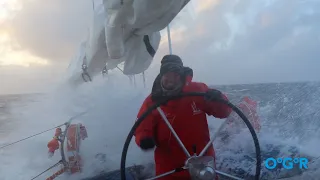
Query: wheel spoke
point(213, 138)
point(166, 174)
point(173, 132)
point(194, 163)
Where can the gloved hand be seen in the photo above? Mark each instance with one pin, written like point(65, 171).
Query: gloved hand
point(147, 143)
point(213, 94)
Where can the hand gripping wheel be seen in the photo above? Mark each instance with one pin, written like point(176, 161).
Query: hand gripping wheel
point(200, 167)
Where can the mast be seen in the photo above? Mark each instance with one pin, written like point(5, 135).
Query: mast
point(169, 39)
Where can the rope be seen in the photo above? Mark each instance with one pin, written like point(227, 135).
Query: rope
point(48, 169)
point(134, 81)
point(104, 71)
point(76, 116)
point(119, 69)
point(144, 79)
point(31, 136)
point(84, 71)
point(85, 74)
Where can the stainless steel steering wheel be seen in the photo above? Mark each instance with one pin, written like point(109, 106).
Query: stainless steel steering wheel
point(199, 166)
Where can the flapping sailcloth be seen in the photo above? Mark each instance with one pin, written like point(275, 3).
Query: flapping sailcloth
point(122, 31)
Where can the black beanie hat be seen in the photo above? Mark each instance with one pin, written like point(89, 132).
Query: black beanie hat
point(171, 63)
point(187, 71)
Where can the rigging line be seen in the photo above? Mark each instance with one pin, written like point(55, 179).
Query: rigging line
point(72, 118)
point(77, 115)
point(30, 136)
point(119, 69)
point(48, 169)
point(144, 79)
point(169, 39)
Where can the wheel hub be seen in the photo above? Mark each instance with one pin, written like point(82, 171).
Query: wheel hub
point(201, 167)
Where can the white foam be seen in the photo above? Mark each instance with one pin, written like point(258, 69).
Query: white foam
point(112, 109)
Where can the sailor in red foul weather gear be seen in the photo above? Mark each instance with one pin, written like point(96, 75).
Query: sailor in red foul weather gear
point(187, 116)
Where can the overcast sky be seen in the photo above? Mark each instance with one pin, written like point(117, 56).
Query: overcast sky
point(224, 41)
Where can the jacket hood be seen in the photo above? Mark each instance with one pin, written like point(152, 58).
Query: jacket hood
point(187, 75)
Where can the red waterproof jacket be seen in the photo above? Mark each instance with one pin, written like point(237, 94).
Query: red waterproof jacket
point(188, 118)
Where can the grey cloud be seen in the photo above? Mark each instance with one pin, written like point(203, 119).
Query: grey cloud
point(52, 29)
point(264, 52)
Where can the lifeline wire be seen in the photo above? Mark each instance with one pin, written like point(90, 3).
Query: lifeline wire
point(30, 136)
point(48, 169)
point(74, 117)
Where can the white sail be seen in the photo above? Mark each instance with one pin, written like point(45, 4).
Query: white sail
point(123, 32)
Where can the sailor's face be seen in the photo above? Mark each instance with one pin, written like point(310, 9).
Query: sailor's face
point(170, 80)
